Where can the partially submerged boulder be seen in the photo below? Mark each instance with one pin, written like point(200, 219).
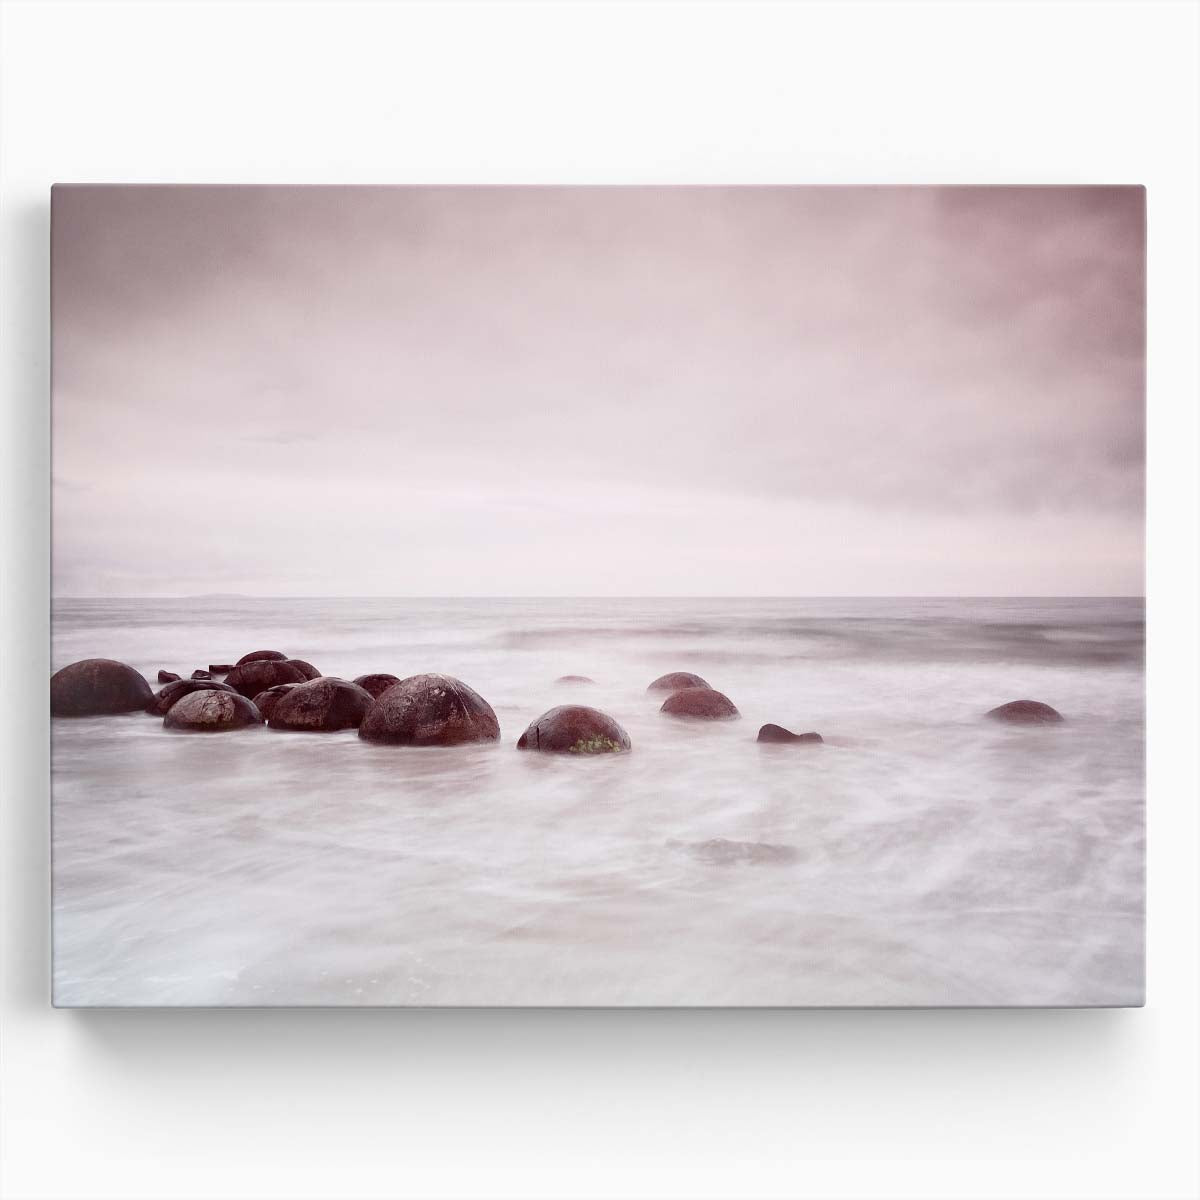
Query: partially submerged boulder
point(220, 668)
point(97, 687)
point(211, 711)
point(160, 704)
point(430, 710)
point(200, 674)
point(575, 729)
point(378, 683)
point(721, 852)
point(258, 674)
point(167, 677)
point(321, 706)
point(265, 701)
point(701, 704)
point(1025, 712)
point(777, 733)
point(261, 656)
point(677, 681)
point(574, 679)
point(305, 668)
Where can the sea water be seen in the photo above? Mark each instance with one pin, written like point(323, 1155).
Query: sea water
point(922, 855)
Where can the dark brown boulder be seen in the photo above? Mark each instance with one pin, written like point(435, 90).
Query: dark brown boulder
point(676, 681)
point(378, 683)
point(321, 706)
point(777, 733)
point(700, 703)
point(261, 656)
point(174, 692)
point(220, 668)
point(258, 674)
point(265, 701)
point(1025, 712)
point(305, 668)
point(575, 729)
point(199, 674)
point(167, 677)
point(574, 679)
point(211, 711)
point(96, 687)
point(430, 710)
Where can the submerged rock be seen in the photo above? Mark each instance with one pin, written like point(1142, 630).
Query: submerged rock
point(265, 701)
point(167, 677)
point(721, 852)
point(199, 674)
point(777, 733)
point(174, 692)
point(261, 656)
point(210, 710)
point(430, 710)
point(676, 681)
point(574, 679)
point(305, 668)
point(220, 668)
point(378, 683)
point(321, 706)
point(575, 729)
point(701, 704)
point(96, 687)
point(1025, 712)
point(258, 674)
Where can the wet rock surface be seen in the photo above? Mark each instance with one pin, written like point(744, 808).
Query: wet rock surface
point(97, 687)
point(167, 677)
point(220, 668)
point(261, 656)
point(201, 674)
point(1025, 712)
point(211, 711)
point(305, 668)
point(265, 701)
point(676, 681)
point(321, 706)
point(430, 710)
point(700, 704)
point(575, 729)
point(777, 734)
point(258, 674)
point(159, 705)
point(378, 683)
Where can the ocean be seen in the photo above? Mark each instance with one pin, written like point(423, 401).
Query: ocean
point(921, 856)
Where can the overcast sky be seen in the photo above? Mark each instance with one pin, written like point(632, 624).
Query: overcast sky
point(598, 391)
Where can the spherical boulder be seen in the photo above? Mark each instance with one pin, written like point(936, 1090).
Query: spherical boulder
point(321, 706)
point(701, 704)
point(378, 683)
point(96, 687)
point(265, 701)
point(574, 729)
point(211, 711)
point(261, 656)
point(220, 668)
point(258, 674)
point(777, 733)
point(677, 681)
point(167, 677)
point(1025, 712)
point(430, 710)
point(174, 692)
point(574, 679)
point(305, 668)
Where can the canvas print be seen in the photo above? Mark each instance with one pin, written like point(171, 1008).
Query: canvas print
point(622, 596)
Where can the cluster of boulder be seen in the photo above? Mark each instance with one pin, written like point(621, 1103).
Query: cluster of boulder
point(268, 687)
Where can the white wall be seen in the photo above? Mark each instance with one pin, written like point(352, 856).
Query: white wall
point(697, 1104)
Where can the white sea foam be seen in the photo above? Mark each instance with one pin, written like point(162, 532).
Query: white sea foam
point(922, 856)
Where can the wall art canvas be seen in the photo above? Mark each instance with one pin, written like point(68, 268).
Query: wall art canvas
point(625, 596)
